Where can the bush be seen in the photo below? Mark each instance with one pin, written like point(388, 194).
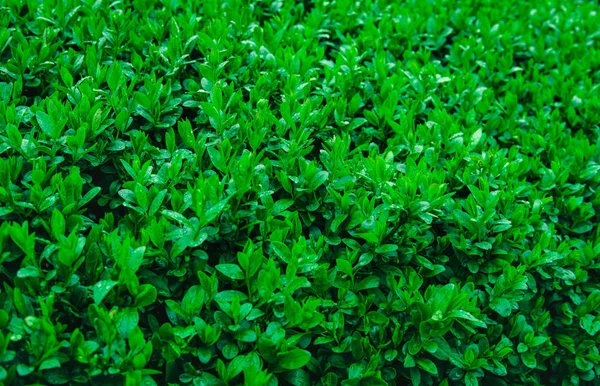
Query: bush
point(306, 193)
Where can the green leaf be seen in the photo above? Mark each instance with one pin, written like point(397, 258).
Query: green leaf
point(466, 315)
point(58, 224)
point(281, 250)
point(294, 359)
point(232, 271)
point(101, 289)
point(529, 359)
point(246, 335)
point(427, 365)
point(28, 272)
point(14, 136)
point(281, 205)
point(217, 160)
point(471, 379)
point(114, 76)
point(146, 296)
point(50, 363)
point(368, 282)
point(89, 196)
point(387, 248)
point(484, 245)
point(502, 306)
point(476, 137)
point(157, 202)
point(66, 76)
point(230, 351)
point(377, 318)
point(193, 300)
point(184, 128)
point(47, 124)
point(24, 370)
point(127, 320)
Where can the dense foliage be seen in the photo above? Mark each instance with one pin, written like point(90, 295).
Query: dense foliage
point(307, 193)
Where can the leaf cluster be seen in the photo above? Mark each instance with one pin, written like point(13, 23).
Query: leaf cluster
point(226, 192)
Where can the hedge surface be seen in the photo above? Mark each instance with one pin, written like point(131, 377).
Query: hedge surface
point(299, 193)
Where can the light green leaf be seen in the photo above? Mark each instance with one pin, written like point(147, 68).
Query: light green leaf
point(46, 124)
point(127, 320)
point(101, 289)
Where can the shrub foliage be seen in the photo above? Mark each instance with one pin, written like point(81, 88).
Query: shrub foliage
point(299, 193)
